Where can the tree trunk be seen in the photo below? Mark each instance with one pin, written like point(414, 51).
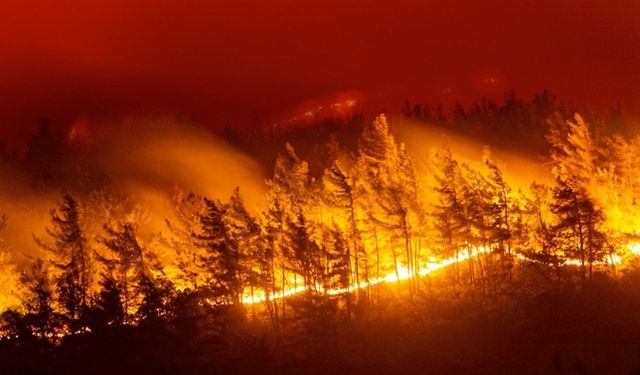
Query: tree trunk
point(395, 260)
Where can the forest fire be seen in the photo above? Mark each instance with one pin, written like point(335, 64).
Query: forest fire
point(371, 226)
point(634, 248)
point(319, 187)
point(403, 273)
point(363, 222)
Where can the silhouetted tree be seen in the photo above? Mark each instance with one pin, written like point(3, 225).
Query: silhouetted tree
point(338, 270)
point(107, 309)
point(540, 243)
point(304, 256)
point(40, 315)
point(577, 229)
point(343, 191)
point(71, 258)
point(223, 259)
point(575, 163)
point(187, 210)
point(144, 294)
point(449, 212)
point(287, 198)
point(245, 236)
point(501, 210)
point(391, 187)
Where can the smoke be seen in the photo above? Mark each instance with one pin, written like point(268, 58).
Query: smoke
point(144, 158)
point(422, 141)
point(148, 158)
point(27, 214)
point(142, 155)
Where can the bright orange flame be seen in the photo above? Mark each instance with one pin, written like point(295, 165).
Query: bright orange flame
point(634, 248)
point(403, 273)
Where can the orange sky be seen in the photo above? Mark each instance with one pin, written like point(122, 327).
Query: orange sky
point(219, 61)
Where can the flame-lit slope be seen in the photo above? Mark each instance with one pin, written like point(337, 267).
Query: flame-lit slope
point(404, 274)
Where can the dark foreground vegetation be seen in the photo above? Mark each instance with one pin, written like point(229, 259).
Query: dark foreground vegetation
point(561, 328)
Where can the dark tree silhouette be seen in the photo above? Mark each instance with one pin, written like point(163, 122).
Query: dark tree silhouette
point(72, 261)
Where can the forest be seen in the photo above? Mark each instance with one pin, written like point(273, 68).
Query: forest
point(357, 254)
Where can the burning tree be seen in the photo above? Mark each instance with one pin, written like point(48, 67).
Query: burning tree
point(71, 258)
point(190, 257)
point(391, 186)
point(579, 222)
point(143, 293)
point(245, 235)
point(225, 271)
point(343, 191)
point(539, 242)
point(326, 236)
point(41, 318)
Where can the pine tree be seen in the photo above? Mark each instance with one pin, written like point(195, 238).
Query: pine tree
point(574, 153)
point(69, 254)
point(108, 309)
point(291, 180)
point(40, 315)
point(222, 257)
point(272, 223)
point(448, 212)
point(579, 221)
point(540, 243)
point(187, 210)
point(392, 187)
point(304, 256)
point(376, 146)
point(343, 192)
point(338, 270)
point(616, 189)
point(399, 207)
point(503, 204)
point(287, 198)
point(479, 212)
point(245, 236)
point(144, 294)
point(501, 210)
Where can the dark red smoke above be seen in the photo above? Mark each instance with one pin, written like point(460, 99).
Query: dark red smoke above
point(219, 61)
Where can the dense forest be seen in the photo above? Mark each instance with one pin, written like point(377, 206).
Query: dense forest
point(362, 257)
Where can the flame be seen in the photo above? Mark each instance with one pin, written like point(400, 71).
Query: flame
point(400, 274)
point(403, 273)
point(634, 248)
point(184, 154)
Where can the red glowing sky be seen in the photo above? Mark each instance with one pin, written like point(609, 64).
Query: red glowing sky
point(219, 61)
